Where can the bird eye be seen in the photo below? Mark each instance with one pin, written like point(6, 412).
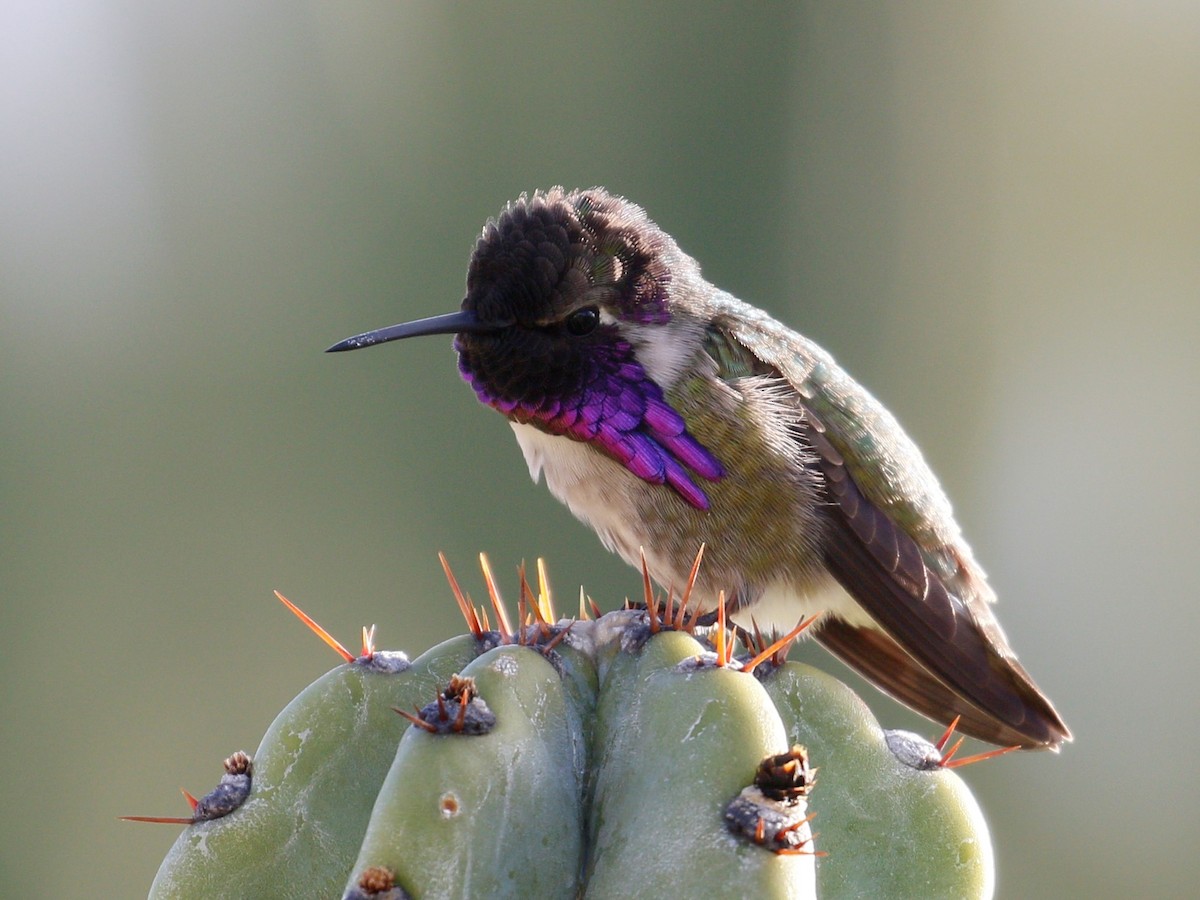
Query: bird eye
point(583, 321)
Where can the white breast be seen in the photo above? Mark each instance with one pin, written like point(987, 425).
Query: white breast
point(590, 484)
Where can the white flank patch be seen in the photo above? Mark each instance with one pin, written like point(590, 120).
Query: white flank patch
point(781, 607)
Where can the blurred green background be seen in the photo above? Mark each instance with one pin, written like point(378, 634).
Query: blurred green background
point(990, 213)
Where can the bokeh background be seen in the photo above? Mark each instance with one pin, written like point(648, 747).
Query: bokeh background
point(989, 212)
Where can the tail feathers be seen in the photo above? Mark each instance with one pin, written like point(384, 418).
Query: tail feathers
point(882, 661)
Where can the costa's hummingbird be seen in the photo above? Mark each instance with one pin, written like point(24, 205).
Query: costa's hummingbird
point(666, 413)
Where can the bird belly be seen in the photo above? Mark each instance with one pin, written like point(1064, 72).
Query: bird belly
point(605, 496)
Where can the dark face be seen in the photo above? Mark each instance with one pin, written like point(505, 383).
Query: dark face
point(555, 274)
point(550, 272)
point(551, 283)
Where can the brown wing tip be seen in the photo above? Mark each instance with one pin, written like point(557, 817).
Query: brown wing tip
point(1061, 735)
point(881, 660)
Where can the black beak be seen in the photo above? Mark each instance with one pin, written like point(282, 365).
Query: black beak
point(450, 323)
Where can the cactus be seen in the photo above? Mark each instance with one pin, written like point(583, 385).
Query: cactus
point(626, 755)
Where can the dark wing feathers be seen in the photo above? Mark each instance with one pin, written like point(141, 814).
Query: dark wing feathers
point(879, 659)
point(961, 645)
point(894, 546)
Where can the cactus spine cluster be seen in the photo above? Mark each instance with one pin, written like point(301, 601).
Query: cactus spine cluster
point(627, 755)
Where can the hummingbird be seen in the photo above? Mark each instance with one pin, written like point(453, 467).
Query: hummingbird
point(666, 414)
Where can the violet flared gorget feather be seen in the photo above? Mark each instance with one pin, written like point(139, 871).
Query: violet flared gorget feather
point(616, 407)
